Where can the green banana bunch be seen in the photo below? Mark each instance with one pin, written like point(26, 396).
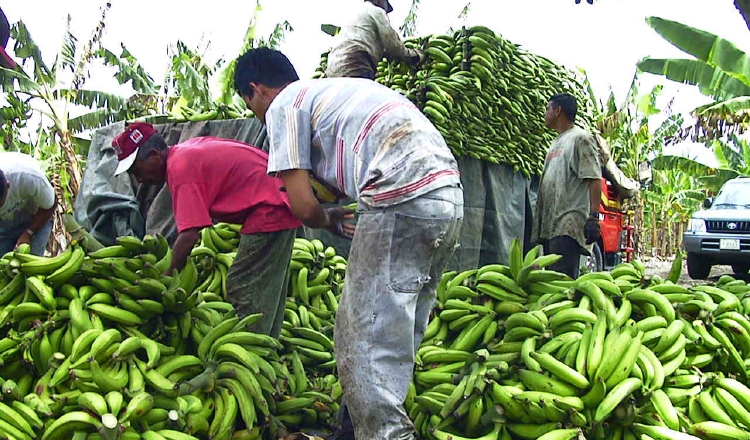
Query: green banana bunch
point(484, 94)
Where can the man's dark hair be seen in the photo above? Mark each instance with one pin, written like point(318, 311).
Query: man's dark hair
point(567, 103)
point(265, 66)
point(154, 143)
point(3, 184)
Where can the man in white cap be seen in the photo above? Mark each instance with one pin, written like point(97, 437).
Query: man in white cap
point(212, 179)
point(363, 43)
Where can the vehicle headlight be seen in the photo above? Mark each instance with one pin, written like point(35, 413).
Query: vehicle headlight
point(697, 225)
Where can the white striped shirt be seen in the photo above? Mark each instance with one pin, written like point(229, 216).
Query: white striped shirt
point(360, 137)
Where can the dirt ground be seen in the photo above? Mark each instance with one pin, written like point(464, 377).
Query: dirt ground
point(661, 268)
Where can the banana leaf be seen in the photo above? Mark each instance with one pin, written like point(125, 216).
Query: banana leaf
point(129, 70)
point(705, 46)
point(25, 48)
point(278, 34)
point(14, 80)
point(226, 77)
point(729, 108)
point(91, 98)
point(710, 80)
point(712, 178)
point(67, 56)
point(94, 119)
point(734, 156)
point(190, 77)
point(409, 27)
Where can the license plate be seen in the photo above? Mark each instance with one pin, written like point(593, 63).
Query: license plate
point(729, 244)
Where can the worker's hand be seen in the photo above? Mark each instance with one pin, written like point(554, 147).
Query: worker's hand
point(418, 58)
point(336, 222)
point(25, 238)
point(592, 231)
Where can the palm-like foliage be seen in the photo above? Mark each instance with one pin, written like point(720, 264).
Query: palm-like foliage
point(672, 196)
point(252, 40)
point(670, 201)
point(65, 107)
point(409, 27)
point(733, 159)
point(718, 68)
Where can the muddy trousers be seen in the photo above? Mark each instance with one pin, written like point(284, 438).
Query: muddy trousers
point(395, 264)
point(39, 243)
point(564, 245)
point(257, 281)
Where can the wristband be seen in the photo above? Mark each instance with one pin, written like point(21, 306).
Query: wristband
point(31, 233)
point(594, 215)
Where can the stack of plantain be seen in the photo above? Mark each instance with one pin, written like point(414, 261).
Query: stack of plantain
point(520, 352)
point(316, 283)
point(213, 255)
point(105, 346)
point(486, 95)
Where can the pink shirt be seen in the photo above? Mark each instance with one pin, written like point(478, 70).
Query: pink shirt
point(214, 179)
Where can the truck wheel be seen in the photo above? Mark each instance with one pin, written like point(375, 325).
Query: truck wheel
point(698, 266)
point(594, 262)
point(740, 269)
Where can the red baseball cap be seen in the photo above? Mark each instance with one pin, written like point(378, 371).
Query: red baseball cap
point(127, 143)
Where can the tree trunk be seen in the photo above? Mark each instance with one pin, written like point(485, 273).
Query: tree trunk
point(69, 165)
point(72, 164)
point(744, 7)
point(654, 234)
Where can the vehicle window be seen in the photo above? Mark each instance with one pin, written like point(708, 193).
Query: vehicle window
point(734, 194)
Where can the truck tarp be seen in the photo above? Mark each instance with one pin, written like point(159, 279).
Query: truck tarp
point(497, 201)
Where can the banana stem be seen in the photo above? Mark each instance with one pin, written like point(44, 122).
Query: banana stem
point(205, 382)
point(110, 430)
point(79, 233)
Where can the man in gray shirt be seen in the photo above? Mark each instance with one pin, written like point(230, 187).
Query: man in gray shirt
point(363, 43)
point(570, 189)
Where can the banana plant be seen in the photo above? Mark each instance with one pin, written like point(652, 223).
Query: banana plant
point(14, 115)
point(409, 27)
point(718, 68)
point(671, 199)
point(227, 95)
point(66, 109)
point(733, 159)
point(627, 128)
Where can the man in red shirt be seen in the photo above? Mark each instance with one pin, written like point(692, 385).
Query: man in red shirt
point(212, 179)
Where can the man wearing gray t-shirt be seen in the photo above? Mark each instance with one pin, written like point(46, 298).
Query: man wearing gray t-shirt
point(365, 41)
point(570, 189)
point(27, 202)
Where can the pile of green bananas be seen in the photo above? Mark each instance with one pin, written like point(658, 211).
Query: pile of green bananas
point(316, 283)
point(105, 346)
point(519, 352)
point(215, 111)
point(213, 255)
point(486, 95)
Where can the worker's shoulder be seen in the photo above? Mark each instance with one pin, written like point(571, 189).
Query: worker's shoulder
point(579, 133)
point(19, 163)
point(334, 90)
